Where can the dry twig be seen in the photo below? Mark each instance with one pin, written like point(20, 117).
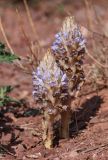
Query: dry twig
point(5, 37)
point(86, 150)
point(29, 17)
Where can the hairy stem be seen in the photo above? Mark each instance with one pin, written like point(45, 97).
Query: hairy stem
point(48, 128)
point(65, 121)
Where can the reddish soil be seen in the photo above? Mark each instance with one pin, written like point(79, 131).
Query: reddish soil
point(20, 127)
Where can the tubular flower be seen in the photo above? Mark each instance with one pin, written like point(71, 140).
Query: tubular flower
point(50, 83)
point(68, 50)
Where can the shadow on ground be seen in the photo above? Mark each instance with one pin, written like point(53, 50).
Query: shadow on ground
point(10, 132)
point(82, 117)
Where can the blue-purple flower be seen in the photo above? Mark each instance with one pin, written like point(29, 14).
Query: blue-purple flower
point(70, 36)
point(48, 76)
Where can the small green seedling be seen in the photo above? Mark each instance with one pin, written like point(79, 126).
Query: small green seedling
point(6, 56)
point(5, 99)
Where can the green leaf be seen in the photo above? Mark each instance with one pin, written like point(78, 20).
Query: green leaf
point(4, 90)
point(6, 56)
point(4, 98)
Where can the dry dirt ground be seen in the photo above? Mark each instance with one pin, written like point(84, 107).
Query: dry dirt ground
point(20, 127)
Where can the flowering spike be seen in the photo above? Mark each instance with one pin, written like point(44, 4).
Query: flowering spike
point(69, 49)
point(48, 80)
point(58, 79)
point(50, 89)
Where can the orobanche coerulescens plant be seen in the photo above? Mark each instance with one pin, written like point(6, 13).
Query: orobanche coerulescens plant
point(58, 79)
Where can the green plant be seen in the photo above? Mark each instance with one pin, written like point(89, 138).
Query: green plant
point(4, 98)
point(6, 56)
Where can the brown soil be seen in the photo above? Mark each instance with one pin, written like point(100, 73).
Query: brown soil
point(20, 127)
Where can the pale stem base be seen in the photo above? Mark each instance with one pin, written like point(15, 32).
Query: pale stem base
point(65, 121)
point(48, 129)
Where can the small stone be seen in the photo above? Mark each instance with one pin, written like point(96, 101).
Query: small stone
point(73, 154)
point(34, 156)
point(57, 158)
